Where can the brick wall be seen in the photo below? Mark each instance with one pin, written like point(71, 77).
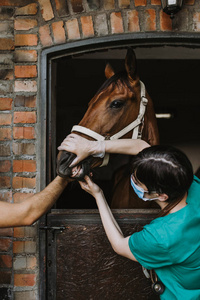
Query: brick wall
point(27, 27)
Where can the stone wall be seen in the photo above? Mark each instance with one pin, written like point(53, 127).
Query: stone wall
point(26, 28)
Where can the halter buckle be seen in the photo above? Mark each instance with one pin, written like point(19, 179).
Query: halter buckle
point(107, 137)
point(144, 100)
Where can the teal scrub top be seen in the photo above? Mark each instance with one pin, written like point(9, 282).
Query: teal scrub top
point(171, 246)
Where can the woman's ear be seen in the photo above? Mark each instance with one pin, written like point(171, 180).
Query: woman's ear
point(163, 197)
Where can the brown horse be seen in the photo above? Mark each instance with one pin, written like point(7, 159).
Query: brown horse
point(120, 109)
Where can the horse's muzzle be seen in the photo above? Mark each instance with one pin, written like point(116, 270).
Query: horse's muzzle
point(64, 160)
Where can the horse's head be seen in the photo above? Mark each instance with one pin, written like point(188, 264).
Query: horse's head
point(114, 107)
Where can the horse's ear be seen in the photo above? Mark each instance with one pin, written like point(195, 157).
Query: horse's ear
point(131, 64)
point(109, 72)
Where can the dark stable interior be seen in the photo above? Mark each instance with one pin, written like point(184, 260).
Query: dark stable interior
point(173, 86)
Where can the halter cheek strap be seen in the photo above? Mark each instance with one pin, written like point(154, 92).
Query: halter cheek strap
point(132, 126)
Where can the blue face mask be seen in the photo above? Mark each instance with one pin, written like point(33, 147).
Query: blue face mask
point(140, 191)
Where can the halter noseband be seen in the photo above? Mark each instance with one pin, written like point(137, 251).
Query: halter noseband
point(132, 126)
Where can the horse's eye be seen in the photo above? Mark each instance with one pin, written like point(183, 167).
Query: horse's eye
point(117, 104)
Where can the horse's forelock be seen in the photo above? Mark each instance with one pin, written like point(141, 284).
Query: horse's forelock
point(112, 82)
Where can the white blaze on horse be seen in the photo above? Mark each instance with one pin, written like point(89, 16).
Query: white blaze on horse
point(121, 108)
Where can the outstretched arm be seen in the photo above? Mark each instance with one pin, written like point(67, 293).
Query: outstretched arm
point(118, 242)
point(28, 211)
point(83, 147)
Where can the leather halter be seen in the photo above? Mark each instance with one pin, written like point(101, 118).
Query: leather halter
point(139, 122)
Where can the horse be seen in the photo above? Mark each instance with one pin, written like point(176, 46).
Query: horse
point(121, 108)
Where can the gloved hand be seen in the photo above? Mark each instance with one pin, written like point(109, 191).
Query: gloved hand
point(82, 147)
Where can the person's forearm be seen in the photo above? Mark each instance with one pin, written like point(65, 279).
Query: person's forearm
point(110, 225)
point(41, 202)
point(27, 212)
point(125, 146)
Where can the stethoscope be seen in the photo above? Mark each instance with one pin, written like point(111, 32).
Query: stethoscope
point(157, 285)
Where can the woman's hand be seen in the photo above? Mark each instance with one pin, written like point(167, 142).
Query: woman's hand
point(82, 147)
point(90, 187)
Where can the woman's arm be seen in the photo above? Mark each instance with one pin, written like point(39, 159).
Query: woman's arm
point(28, 211)
point(118, 242)
point(83, 147)
point(125, 146)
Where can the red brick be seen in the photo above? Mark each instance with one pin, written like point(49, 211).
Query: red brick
point(116, 22)
point(31, 262)
point(150, 20)
point(5, 134)
point(156, 2)
point(19, 263)
point(6, 196)
point(87, 26)
point(5, 119)
point(24, 279)
point(19, 232)
point(25, 71)
point(26, 40)
point(5, 103)
point(6, 27)
point(24, 166)
point(23, 182)
point(14, 2)
point(24, 24)
point(25, 232)
point(23, 148)
point(73, 29)
point(6, 44)
point(25, 86)
point(24, 247)
point(165, 22)
point(61, 7)
point(101, 25)
point(5, 182)
point(24, 133)
point(189, 2)
point(6, 74)
point(108, 5)
point(25, 101)
point(5, 165)
point(30, 9)
point(45, 36)
point(5, 149)
point(24, 262)
point(5, 277)
point(6, 232)
point(58, 32)
point(25, 55)
point(25, 295)
point(196, 21)
point(5, 261)
point(140, 3)
point(133, 21)
point(5, 245)
point(77, 6)
point(18, 246)
point(20, 197)
point(46, 9)
point(24, 117)
point(124, 3)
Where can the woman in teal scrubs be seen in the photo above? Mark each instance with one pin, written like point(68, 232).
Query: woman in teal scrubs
point(170, 244)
